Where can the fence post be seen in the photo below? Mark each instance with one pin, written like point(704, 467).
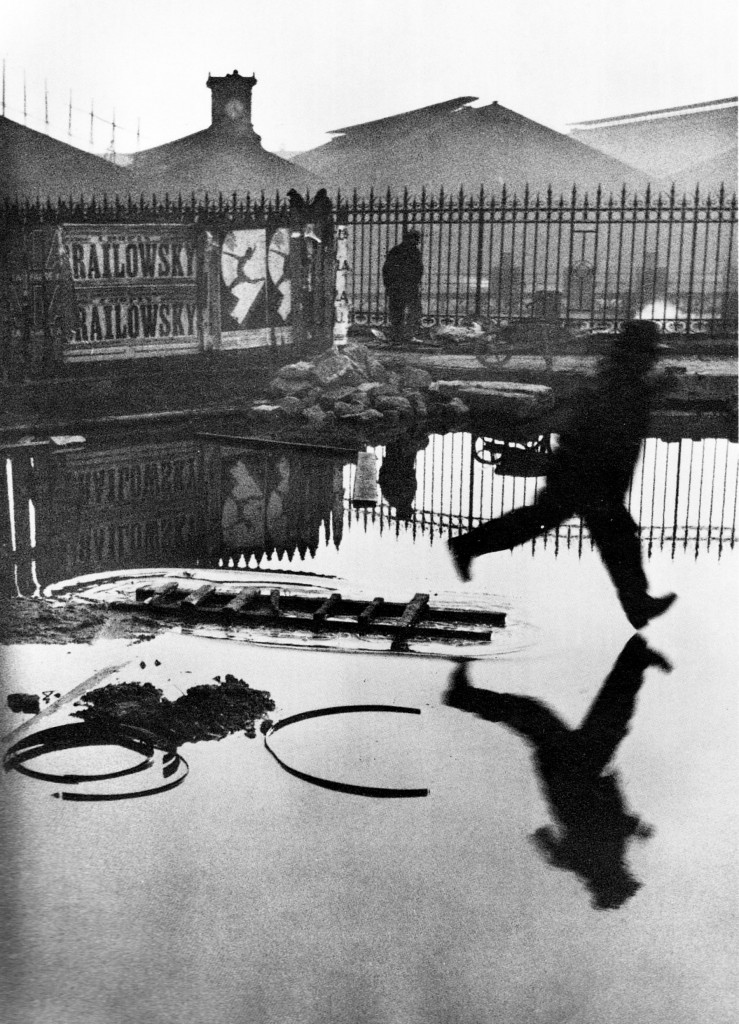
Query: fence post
point(341, 302)
point(480, 251)
point(691, 273)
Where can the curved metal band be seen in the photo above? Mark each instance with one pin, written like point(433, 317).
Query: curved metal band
point(343, 787)
point(69, 737)
point(176, 762)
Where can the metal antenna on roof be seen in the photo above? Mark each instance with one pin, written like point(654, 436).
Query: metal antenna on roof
point(112, 137)
point(138, 134)
point(69, 117)
point(92, 120)
point(46, 103)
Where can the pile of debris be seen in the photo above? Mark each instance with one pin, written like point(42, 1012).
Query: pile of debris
point(205, 712)
point(354, 387)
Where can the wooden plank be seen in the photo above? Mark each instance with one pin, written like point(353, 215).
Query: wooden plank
point(413, 611)
point(267, 443)
point(197, 597)
point(369, 611)
point(324, 610)
point(242, 600)
point(266, 615)
point(354, 607)
point(158, 593)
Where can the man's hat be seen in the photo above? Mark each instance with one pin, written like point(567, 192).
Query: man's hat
point(412, 236)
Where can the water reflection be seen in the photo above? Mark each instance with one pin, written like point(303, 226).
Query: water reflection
point(185, 502)
point(397, 476)
point(136, 716)
point(594, 825)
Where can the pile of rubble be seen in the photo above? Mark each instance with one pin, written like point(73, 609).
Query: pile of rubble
point(205, 712)
point(354, 387)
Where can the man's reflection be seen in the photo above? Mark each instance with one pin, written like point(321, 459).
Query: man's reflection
point(397, 476)
point(593, 823)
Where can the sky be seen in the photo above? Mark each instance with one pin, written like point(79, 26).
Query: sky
point(326, 64)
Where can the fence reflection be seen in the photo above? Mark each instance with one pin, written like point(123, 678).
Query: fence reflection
point(184, 503)
point(683, 493)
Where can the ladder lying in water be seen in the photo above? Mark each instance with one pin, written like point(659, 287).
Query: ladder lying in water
point(274, 607)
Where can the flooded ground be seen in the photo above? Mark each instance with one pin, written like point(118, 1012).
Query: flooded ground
point(529, 883)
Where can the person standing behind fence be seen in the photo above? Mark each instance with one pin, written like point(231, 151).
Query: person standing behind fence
point(401, 274)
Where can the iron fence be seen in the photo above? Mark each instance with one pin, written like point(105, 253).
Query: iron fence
point(585, 262)
point(684, 494)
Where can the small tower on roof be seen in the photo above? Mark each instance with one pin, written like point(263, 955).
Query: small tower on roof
point(231, 102)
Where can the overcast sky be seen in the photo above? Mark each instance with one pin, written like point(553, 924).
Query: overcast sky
point(324, 64)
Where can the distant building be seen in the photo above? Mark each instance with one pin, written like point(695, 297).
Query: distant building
point(34, 165)
point(688, 145)
point(453, 145)
point(226, 157)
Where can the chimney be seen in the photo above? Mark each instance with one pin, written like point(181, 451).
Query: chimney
point(231, 102)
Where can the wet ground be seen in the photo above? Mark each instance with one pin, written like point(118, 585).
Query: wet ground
point(551, 874)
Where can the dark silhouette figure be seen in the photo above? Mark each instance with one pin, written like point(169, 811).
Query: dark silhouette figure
point(594, 825)
point(401, 274)
point(589, 475)
point(321, 216)
point(296, 201)
point(296, 212)
point(397, 475)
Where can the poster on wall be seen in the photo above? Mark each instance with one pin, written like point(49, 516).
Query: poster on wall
point(255, 288)
point(134, 290)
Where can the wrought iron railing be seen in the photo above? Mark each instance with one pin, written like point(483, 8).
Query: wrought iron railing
point(589, 262)
point(584, 260)
point(684, 494)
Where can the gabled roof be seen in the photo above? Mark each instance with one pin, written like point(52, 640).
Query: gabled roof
point(34, 165)
point(452, 144)
point(215, 160)
point(709, 175)
point(661, 142)
point(400, 121)
point(686, 108)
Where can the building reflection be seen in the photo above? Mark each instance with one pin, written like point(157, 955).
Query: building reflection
point(181, 502)
point(187, 502)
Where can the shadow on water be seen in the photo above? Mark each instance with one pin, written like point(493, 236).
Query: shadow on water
point(584, 795)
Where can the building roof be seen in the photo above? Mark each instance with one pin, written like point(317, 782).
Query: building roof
point(708, 175)
point(662, 112)
point(452, 144)
point(34, 165)
point(217, 159)
point(663, 142)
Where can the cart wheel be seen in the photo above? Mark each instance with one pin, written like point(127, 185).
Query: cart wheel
point(492, 351)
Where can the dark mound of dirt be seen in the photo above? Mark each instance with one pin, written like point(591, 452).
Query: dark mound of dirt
point(206, 712)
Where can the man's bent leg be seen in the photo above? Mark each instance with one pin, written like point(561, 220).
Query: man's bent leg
point(616, 536)
point(508, 531)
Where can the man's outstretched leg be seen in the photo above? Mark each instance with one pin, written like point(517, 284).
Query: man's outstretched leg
point(506, 532)
point(616, 536)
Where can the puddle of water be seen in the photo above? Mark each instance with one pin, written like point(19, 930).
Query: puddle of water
point(247, 886)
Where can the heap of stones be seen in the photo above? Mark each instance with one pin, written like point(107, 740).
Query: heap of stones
point(353, 387)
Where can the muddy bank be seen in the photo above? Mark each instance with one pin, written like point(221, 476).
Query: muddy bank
point(38, 621)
